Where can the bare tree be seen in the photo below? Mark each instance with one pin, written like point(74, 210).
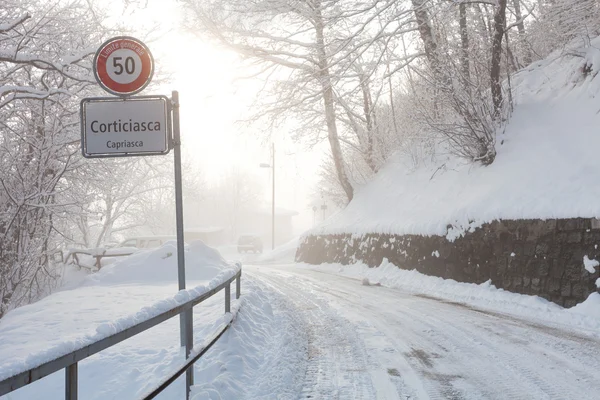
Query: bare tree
point(45, 54)
point(499, 29)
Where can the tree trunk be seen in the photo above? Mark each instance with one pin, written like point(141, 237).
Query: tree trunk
point(464, 43)
point(482, 25)
point(426, 34)
point(328, 100)
point(369, 118)
point(521, 29)
point(499, 27)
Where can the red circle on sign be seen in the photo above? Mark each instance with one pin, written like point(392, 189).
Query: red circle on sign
point(124, 45)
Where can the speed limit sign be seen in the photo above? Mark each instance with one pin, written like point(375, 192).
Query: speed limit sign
point(123, 66)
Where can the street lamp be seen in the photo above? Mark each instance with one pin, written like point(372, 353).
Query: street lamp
point(272, 166)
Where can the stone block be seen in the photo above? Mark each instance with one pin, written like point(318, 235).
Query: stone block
point(497, 248)
point(561, 237)
point(541, 249)
point(573, 224)
point(591, 237)
point(570, 302)
point(558, 300)
point(531, 267)
point(574, 270)
point(543, 268)
point(540, 229)
point(518, 249)
point(554, 250)
point(546, 296)
point(517, 282)
point(557, 268)
point(529, 249)
point(577, 290)
point(574, 237)
point(553, 286)
point(526, 281)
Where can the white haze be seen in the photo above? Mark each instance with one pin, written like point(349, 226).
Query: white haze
point(214, 99)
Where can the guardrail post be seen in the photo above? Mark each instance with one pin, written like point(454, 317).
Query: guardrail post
point(238, 285)
point(71, 382)
point(228, 297)
point(189, 345)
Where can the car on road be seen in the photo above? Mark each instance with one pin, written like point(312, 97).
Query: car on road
point(247, 243)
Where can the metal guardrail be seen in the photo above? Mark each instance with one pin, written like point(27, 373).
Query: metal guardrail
point(69, 361)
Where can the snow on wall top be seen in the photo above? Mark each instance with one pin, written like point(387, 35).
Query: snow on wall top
point(547, 166)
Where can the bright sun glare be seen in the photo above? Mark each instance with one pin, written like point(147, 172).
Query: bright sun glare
point(213, 99)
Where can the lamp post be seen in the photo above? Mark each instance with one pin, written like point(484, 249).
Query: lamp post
point(272, 166)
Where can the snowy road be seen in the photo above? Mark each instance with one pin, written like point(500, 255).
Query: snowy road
point(370, 342)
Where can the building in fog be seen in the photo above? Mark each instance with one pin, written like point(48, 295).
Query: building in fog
point(258, 222)
point(223, 225)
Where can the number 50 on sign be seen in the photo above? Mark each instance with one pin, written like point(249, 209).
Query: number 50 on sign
point(123, 66)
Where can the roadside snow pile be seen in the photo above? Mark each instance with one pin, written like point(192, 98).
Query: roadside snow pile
point(589, 307)
point(545, 166)
point(585, 315)
point(129, 291)
point(160, 266)
point(262, 355)
point(284, 254)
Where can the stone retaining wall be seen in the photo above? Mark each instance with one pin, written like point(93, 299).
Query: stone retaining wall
point(538, 257)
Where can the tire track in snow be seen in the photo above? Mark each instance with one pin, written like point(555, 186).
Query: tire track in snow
point(457, 352)
point(512, 369)
point(336, 356)
point(524, 353)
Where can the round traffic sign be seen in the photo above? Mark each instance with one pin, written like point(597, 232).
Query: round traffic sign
point(123, 66)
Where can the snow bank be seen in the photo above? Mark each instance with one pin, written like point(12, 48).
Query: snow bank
point(286, 253)
point(546, 165)
point(160, 266)
point(585, 315)
point(119, 296)
point(262, 355)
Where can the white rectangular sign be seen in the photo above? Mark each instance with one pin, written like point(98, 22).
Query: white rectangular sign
point(112, 127)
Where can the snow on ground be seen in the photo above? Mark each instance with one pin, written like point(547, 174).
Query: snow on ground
point(590, 265)
point(373, 342)
point(303, 332)
point(262, 355)
point(280, 255)
point(546, 165)
point(118, 296)
point(585, 315)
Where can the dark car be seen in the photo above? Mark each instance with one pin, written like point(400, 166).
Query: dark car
point(248, 243)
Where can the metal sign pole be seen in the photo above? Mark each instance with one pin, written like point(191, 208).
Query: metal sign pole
point(185, 318)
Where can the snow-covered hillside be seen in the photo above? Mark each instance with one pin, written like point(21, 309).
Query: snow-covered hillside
point(546, 166)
